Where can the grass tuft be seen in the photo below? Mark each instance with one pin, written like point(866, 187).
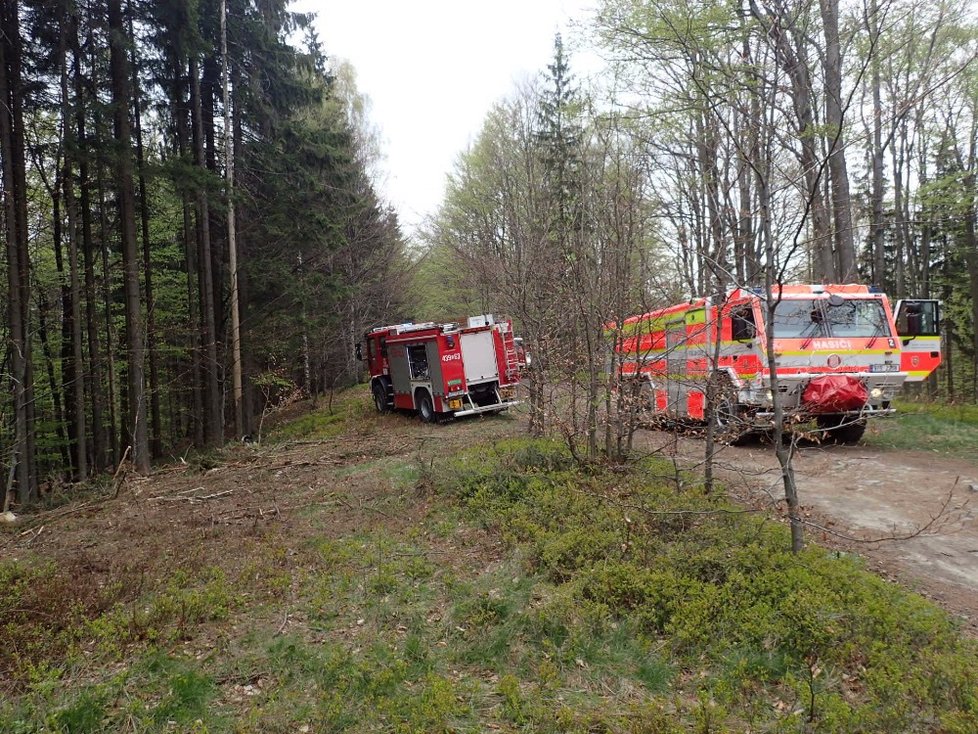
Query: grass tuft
point(921, 426)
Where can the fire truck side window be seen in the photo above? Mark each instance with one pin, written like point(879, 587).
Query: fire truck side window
point(918, 318)
point(742, 325)
point(383, 347)
point(370, 349)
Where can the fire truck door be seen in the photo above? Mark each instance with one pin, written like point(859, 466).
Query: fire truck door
point(676, 367)
point(434, 369)
point(479, 355)
point(400, 369)
point(918, 324)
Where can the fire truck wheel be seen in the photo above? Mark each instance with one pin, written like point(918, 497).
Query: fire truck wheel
point(426, 410)
point(380, 398)
point(728, 423)
point(842, 429)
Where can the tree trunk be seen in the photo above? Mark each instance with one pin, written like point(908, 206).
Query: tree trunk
point(208, 90)
point(156, 443)
point(18, 264)
point(99, 442)
point(180, 122)
point(77, 365)
point(136, 428)
point(214, 424)
point(795, 65)
point(101, 162)
point(237, 385)
point(836, 143)
point(898, 284)
point(877, 228)
point(783, 453)
point(62, 395)
point(971, 258)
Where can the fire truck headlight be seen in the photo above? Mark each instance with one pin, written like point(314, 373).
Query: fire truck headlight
point(876, 393)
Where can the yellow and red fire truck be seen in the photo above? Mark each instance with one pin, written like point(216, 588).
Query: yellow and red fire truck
point(444, 370)
point(841, 355)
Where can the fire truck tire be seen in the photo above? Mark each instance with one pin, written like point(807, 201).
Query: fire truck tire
point(728, 422)
point(728, 427)
point(382, 399)
point(842, 429)
point(426, 409)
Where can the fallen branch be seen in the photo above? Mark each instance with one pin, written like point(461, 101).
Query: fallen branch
point(115, 484)
point(35, 535)
point(191, 498)
point(290, 464)
point(364, 507)
point(281, 628)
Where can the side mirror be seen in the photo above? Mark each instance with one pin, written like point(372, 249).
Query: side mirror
point(358, 351)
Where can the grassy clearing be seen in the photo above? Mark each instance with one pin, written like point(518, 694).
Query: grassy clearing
point(530, 595)
point(937, 427)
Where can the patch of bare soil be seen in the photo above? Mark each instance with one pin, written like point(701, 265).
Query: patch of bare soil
point(255, 502)
point(912, 515)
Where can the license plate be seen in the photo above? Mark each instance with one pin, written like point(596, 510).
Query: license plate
point(884, 368)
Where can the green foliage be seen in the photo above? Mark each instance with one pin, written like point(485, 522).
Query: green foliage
point(724, 595)
point(350, 410)
point(615, 603)
point(957, 414)
point(924, 426)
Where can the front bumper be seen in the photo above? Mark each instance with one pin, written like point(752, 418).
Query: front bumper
point(886, 387)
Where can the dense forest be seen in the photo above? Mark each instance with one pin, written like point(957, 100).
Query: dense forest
point(193, 237)
point(191, 232)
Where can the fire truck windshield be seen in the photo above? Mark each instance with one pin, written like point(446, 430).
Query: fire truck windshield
point(849, 318)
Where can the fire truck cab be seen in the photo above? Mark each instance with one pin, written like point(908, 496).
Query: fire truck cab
point(443, 370)
point(840, 355)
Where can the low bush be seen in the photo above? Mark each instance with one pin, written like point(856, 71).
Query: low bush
point(820, 640)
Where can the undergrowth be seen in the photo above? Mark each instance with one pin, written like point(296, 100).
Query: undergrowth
point(925, 426)
point(329, 419)
point(773, 638)
point(536, 595)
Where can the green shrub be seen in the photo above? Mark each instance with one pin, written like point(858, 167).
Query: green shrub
point(722, 591)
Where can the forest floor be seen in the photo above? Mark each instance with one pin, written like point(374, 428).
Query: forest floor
point(212, 594)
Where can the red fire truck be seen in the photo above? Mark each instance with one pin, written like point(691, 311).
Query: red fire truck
point(841, 355)
point(444, 370)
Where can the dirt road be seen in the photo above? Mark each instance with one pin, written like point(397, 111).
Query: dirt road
point(854, 494)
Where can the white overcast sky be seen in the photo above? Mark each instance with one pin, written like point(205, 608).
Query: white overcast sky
point(432, 69)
